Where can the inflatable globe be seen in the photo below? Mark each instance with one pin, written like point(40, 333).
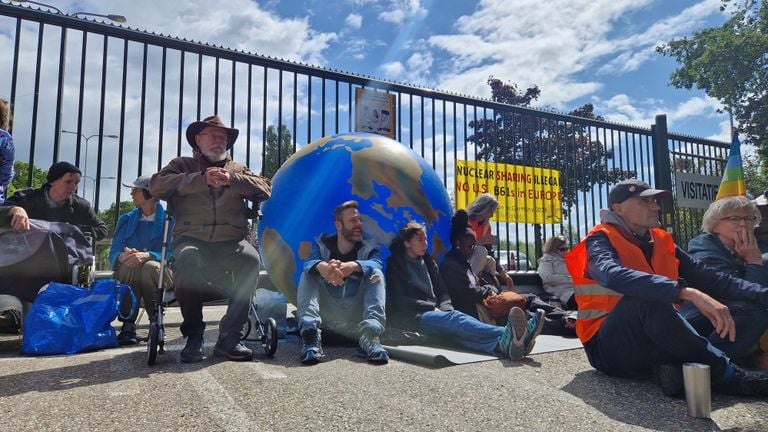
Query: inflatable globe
point(391, 183)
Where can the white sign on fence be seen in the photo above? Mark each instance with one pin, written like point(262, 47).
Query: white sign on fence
point(695, 190)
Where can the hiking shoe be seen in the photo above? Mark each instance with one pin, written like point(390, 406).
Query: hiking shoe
point(370, 348)
point(10, 321)
point(512, 340)
point(239, 352)
point(312, 351)
point(127, 334)
point(745, 383)
point(669, 378)
point(193, 350)
point(533, 330)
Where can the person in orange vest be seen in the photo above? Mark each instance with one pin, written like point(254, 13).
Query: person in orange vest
point(628, 277)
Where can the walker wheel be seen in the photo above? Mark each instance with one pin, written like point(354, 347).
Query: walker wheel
point(153, 341)
point(269, 338)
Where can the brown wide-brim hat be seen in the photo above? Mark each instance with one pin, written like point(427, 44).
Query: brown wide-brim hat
point(194, 128)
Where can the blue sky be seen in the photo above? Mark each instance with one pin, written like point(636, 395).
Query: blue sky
point(576, 51)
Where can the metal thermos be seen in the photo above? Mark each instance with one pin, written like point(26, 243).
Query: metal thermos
point(698, 391)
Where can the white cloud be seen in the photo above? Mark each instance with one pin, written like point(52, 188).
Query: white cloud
point(552, 44)
point(622, 109)
point(354, 21)
point(415, 70)
point(401, 10)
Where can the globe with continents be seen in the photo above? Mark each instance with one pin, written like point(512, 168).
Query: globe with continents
point(391, 183)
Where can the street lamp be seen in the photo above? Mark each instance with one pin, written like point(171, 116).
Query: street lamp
point(87, 140)
point(93, 201)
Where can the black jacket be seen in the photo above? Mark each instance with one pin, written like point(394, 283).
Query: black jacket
point(464, 294)
point(405, 301)
point(77, 211)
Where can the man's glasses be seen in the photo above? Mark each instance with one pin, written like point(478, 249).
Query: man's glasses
point(563, 249)
point(739, 219)
point(215, 136)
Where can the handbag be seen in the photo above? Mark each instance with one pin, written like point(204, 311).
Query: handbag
point(499, 305)
point(68, 319)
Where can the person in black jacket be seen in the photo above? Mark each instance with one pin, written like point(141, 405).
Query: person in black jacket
point(55, 201)
point(418, 300)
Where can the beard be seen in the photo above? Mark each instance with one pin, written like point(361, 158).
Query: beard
point(214, 155)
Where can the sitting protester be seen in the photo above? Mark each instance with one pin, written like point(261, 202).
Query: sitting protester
point(418, 300)
point(135, 254)
point(554, 274)
point(483, 264)
point(55, 201)
point(729, 245)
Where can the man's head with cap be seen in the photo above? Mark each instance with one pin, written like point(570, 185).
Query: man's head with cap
point(140, 184)
point(635, 201)
point(211, 137)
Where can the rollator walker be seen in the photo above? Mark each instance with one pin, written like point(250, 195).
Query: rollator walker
point(266, 331)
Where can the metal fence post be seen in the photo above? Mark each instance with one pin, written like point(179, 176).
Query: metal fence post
point(662, 170)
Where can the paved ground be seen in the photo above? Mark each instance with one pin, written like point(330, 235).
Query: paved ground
point(114, 390)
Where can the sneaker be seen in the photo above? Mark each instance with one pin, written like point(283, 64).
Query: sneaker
point(239, 352)
point(669, 378)
point(10, 321)
point(533, 330)
point(745, 383)
point(312, 351)
point(371, 349)
point(193, 350)
point(127, 334)
point(513, 339)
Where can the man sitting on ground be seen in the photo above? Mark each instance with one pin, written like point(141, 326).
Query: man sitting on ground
point(628, 274)
point(343, 278)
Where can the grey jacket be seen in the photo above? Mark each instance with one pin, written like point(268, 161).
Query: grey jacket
point(555, 277)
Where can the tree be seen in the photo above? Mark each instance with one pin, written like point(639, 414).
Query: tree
point(755, 175)
point(20, 178)
point(275, 155)
point(730, 64)
point(568, 147)
point(110, 217)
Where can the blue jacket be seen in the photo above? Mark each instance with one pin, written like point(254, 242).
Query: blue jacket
point(604, 267)
point(7, 153)
point(709, 249)
point(368, 256)
point(129, 233)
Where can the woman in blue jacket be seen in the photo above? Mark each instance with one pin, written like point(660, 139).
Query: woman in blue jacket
point(135, 253)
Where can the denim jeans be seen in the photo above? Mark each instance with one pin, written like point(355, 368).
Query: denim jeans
point(461, 329)
point(639, 334)
point(207, 271)
point(360, 300)
point(751, 321)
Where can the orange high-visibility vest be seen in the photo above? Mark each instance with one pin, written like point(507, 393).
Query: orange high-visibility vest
point(596, 301)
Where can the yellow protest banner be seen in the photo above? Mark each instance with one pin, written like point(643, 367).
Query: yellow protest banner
point(526, 194)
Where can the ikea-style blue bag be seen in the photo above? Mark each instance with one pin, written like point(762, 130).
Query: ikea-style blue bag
point(67, 319)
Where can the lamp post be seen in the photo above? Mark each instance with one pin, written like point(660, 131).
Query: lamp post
point(87, 141)
point(93, 200)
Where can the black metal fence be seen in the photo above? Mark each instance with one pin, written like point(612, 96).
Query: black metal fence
point(132, 93)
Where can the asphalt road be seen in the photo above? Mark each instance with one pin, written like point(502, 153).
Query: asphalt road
point(114, 390)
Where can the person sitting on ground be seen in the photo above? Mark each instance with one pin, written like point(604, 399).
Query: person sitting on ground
point(7, 151)
point(483, 264)
point(554, 274)
point(729, 245)
point(209, 193)
point(628, 275)
point(135, 254)
point(342, 283)
point(468, 293)
point(417, 300)
point(55, 201)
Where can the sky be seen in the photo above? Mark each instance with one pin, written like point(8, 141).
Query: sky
point(575, 51)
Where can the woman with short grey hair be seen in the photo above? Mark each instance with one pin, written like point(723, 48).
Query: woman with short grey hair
point(724, 207)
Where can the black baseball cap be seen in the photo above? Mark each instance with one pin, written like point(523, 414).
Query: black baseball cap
point(627, 189)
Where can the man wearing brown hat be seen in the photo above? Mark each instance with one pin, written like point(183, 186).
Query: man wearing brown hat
point(208, 193)
point(628, 275)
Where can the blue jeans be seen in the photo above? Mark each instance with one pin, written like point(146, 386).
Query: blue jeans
point(751, 321)
point(207, 271)
point(461, 329)
point(360, 300)
point(639, 334)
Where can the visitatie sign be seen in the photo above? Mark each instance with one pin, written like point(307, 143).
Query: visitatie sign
point(526, 194)
point(695, 190)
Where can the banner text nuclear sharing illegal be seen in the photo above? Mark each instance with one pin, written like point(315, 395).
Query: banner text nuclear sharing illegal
point(526, 194)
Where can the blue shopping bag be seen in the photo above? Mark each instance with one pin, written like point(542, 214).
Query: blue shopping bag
point(67, 319)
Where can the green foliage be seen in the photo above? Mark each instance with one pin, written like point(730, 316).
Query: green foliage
point(730, 64)
point(568, 147)
point(21, 177)
point(755, 175)
point(275, 155)
point(110, 217)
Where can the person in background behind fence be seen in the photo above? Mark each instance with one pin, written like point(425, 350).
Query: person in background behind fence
point(7, 150)
point(554, 274)
point(729, 246)
point(135, 254)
